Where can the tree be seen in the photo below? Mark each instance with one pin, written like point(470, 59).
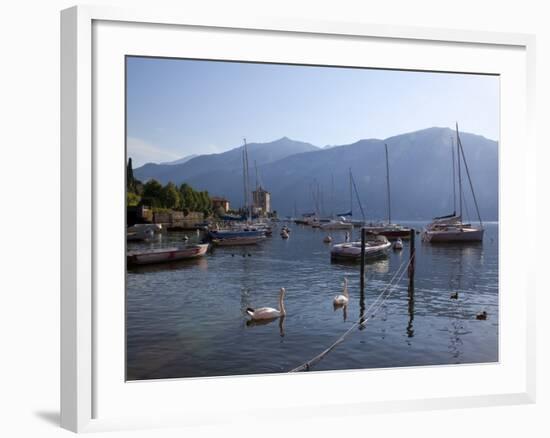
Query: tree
point(170, 196)
point(186, 195)
point(130, 181)
point(132, 199)
point(152, 193)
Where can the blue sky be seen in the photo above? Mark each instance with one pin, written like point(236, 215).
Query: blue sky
point(181, 107)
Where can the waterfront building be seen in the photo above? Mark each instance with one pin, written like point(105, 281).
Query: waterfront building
point(219, 202)
point(262, 200)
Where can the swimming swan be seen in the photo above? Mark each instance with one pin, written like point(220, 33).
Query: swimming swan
point(268, 312)
point(341, 300)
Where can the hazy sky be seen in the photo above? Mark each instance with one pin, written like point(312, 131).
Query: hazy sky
point(179, 107)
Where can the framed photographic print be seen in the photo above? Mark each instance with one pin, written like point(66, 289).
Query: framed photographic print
point(252, 208)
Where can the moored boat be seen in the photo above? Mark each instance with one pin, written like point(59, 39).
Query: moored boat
point(163, 255)
point(375, 246)
point(398, 245)
point(337, 225)
point(453, 232)
point(142, 232)
point(391, 231)
point(236, 237)
point(451, 228)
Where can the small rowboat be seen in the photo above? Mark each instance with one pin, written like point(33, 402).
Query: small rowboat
point(162, 255)
point(374, 247)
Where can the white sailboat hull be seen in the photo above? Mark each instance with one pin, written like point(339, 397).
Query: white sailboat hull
point(337, 226)
point(465, 234)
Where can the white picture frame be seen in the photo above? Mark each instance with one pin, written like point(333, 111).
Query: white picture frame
point(86, 376)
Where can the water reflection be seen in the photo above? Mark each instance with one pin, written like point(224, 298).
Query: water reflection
point(344, 308)
point(410, 309)
point(362, 308)
point(262, 322)
point(380, 264)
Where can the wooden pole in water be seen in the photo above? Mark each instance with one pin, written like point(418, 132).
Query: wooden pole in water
point(412, 252)
point(363, 238)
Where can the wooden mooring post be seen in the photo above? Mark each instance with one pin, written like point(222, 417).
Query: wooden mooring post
point(363, 241)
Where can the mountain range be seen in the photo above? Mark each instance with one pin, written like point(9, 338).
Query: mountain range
point(296, 173)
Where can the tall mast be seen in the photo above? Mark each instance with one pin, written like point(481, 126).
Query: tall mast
point(318, 200)
point(245, 194)
point(350, 193)
point(247, 180)
point(388, 183)
point(454, 176)
point(358, 198)
point(332, 197)
point(459, 174)
point(322, 203)
point(469, 178)
point(256, 168)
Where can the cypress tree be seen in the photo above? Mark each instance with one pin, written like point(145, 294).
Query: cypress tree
point(130, 182)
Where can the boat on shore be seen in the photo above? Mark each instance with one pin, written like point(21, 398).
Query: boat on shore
point(163, 255)
point(375, 246)
point(142, 232)
point(451, 228)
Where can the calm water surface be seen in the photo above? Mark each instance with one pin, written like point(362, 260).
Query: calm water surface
point(188, 319)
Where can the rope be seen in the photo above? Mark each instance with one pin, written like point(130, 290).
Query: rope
point(306, 366)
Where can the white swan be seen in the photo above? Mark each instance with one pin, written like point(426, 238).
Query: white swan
point(341, 300)
point(268, 312)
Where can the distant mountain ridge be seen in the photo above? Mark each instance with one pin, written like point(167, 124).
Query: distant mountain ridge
point(261, 153)
point(181, 160)
point(420, 172)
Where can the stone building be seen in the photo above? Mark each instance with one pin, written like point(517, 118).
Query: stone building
point(261, 200)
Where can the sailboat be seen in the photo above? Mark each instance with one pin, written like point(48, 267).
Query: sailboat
point(343, 223)
point(451, 228)
point(391, 231)
point(248, 234)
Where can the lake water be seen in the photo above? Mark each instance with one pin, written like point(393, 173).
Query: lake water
point(188, 319)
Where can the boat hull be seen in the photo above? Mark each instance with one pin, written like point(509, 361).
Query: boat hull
point(352, 251)
point(454, 235)
point(164, 255)
point(391, 234)
point(238, 241)
point(336, 226)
